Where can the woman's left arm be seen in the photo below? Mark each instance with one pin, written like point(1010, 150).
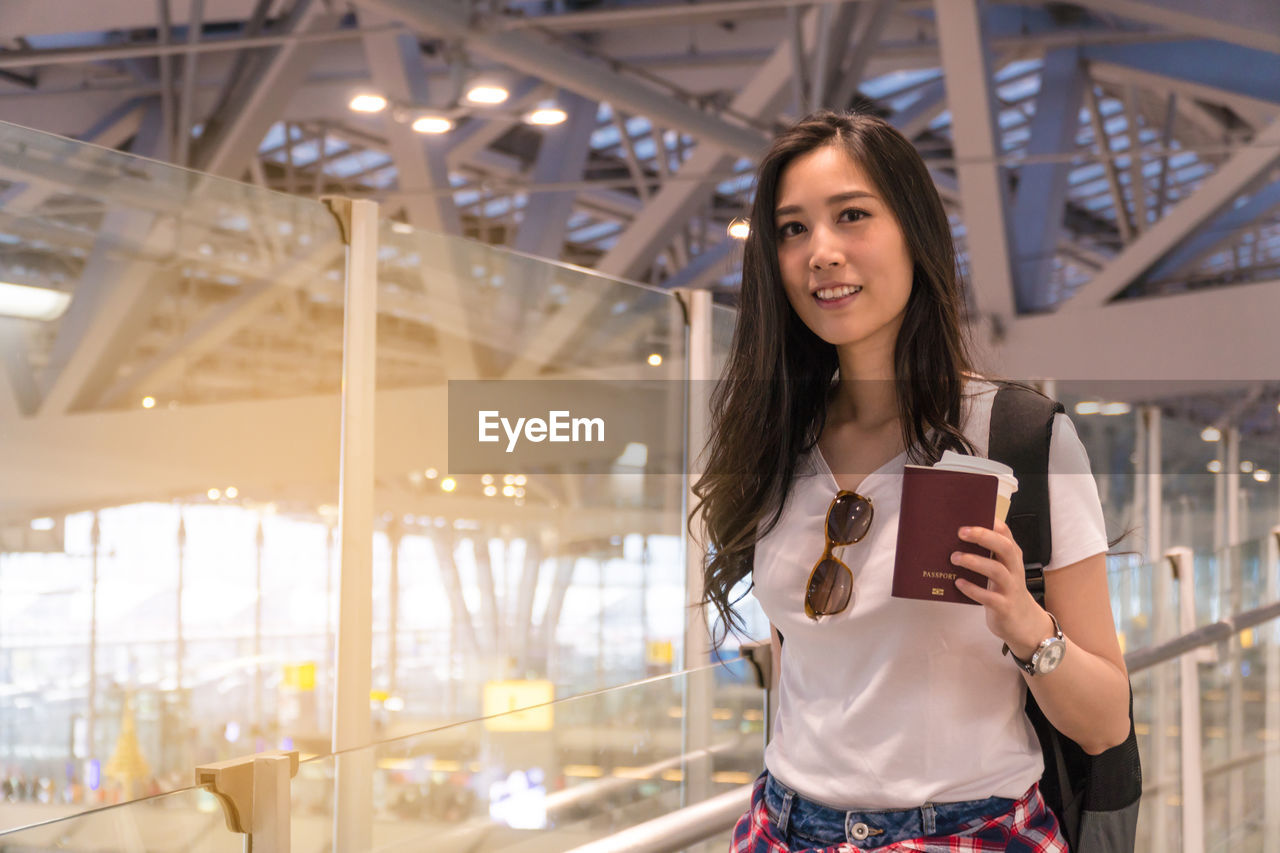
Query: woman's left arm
point(1087, 696)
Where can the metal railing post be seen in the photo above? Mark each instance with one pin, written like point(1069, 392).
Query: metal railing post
point(697, 641)
point(1182, 564)
point(1233, 567)
point(352, 721)
point(1148, 494)
point(1271, 778)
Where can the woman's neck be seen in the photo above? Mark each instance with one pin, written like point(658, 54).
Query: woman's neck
point(866, 395)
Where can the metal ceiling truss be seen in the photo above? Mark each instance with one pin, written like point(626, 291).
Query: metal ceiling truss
point(1115, 151)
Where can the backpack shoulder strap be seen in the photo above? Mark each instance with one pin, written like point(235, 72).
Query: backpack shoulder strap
point(1021, 430)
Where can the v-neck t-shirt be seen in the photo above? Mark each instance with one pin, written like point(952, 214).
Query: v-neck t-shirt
point(893, 703)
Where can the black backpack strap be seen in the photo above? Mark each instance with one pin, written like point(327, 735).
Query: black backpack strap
point(1021, 430)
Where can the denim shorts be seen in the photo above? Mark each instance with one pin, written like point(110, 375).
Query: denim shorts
point(806, 823)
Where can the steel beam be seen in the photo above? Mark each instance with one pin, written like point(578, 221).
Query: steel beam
point(109, 308)
point(1179, 336)
point(562, 156)
point(395, 62)
point(1213, 195)
point(1219, 233)
point(231, 137)
point(1246, 23)
point(972, 102)
point(871, 24)
point(534, 54)
point(1037, 221)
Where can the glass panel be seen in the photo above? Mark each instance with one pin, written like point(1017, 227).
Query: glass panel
point(190, 819)
point(561, 571)
point(723, 321)
point(555, 776)
point(1239, 697)
point(169, 469)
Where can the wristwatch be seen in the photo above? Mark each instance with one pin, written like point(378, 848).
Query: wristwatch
point(1047, 656)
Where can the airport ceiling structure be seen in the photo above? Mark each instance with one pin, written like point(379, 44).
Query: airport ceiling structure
point(1110, 166)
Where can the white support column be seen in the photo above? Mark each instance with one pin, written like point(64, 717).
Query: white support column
point(697, 640)
point(1149, 489)
point(1182, 564)
point(977, 143)
point(1271, 783)
point(352, 723)
point(1233, 565)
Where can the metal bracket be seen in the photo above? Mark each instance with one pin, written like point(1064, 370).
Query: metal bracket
point(235, 783)
point(340, 207)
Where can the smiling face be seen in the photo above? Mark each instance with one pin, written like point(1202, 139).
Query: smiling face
point(836, 234)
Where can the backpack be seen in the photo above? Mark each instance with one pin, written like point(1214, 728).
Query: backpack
point(1095, 797)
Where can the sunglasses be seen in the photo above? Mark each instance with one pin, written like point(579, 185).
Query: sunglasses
point(831, 581)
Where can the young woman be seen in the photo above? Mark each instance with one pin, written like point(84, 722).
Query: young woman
point(900, 724)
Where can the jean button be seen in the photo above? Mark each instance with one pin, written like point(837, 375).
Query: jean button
point(860, 831)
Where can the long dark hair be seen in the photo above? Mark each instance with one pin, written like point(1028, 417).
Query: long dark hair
point(771, 403)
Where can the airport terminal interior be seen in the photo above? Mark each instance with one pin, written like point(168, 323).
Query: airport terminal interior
point(252, 250)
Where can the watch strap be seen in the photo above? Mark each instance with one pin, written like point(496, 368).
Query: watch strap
point(1029, 666)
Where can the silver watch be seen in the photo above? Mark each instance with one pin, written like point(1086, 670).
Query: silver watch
point(1048, 654)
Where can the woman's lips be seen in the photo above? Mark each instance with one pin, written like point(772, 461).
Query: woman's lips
point(831, 304)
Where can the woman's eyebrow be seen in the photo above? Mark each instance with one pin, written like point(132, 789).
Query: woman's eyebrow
point(835, 199)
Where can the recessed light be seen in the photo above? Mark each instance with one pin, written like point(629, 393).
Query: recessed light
point(432, 124)
point(368, 103)
point(547, 116)
point(485, 94)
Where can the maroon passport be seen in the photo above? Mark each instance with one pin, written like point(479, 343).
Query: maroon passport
point(936, 503)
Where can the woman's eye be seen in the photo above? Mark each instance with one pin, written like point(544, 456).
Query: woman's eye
point(790, 229)
point(853, 214)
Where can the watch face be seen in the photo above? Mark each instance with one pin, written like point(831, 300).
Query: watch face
point(1050, 656)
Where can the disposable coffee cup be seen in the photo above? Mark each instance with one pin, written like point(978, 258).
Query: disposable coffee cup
point(1007, 484)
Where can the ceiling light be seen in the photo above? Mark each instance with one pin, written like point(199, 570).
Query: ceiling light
point(32, 303)
point(232, 492)
point(490, 491)
point(739, 229)
point(1211, 434)
point(547, 116)
point(448, 484)
point(1088, 407)
point(1246, 467)
point(655, 359)
point(1115, 409)
point(1215, 466)
point(487, 94)
point(1262, 475)
point(214, 494)
point(148, 402)
point(368, 103)
point(432, 124)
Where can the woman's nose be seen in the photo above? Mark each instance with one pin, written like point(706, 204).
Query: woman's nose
point(824, 250)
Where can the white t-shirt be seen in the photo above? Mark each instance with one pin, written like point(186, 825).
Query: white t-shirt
point(894, 702)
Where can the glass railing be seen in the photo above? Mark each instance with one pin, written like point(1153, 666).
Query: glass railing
point(1238, 684)
point(170, 470)
point(561, 567)
point(187, 819)
point(552, 776)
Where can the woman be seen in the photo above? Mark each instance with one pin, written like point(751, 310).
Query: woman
point(900, 724)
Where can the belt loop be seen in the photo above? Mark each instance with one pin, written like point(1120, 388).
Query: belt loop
point(930, 819)
point(784, 815)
